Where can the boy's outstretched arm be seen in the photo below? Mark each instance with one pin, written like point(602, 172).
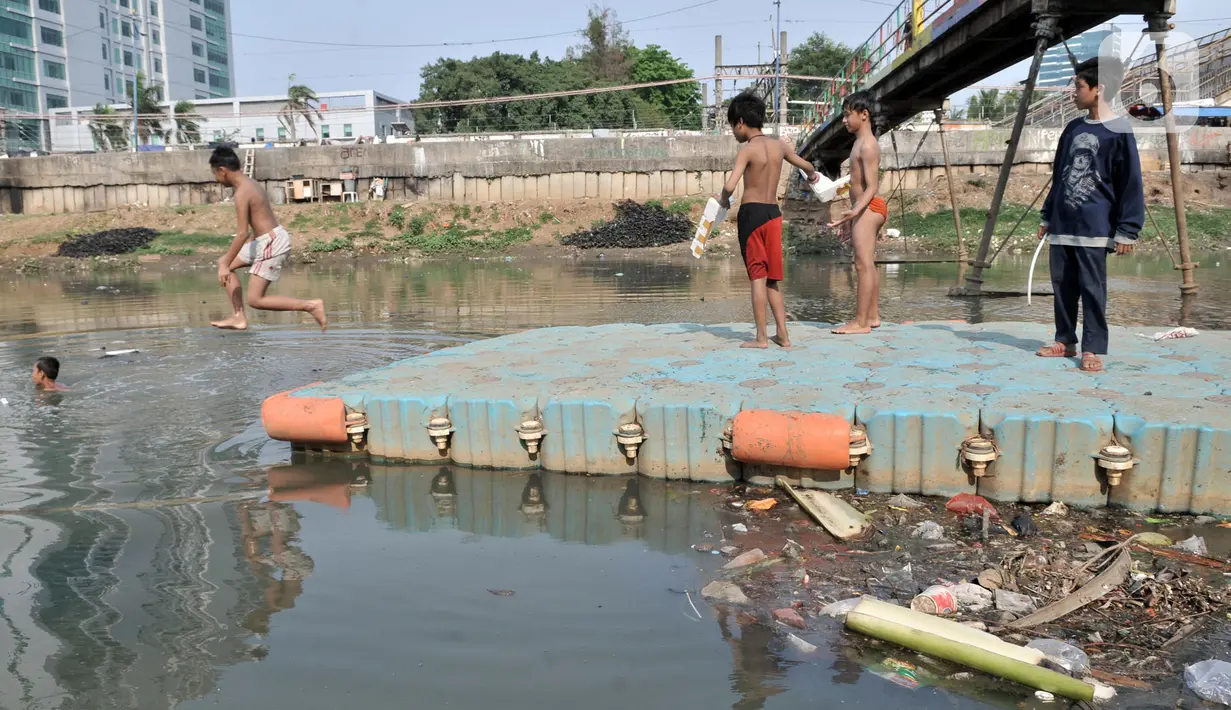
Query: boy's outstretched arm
point(737, 174)
point(241, 236)
point(793, 158)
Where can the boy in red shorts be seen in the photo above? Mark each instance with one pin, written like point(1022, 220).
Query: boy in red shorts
point(759, 165)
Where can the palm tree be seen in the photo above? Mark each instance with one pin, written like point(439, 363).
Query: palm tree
point(149, 109)
point(301, 101)
point(987, 105)
point(106, 129)
point(187, 130)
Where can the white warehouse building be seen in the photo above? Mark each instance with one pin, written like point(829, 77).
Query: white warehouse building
point(346, 117)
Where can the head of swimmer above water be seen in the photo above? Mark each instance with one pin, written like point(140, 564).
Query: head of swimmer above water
point(746, 114)
point(224, 163)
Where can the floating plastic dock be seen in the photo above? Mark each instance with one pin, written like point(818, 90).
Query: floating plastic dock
point(926, 408)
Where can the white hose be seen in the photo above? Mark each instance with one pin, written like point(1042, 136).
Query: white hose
point(1035, 260)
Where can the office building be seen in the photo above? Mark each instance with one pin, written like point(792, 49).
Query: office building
point(1057, 68)
point(60, 53)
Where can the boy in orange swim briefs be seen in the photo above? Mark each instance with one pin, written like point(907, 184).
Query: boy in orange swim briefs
point(759, 165)
point(868, 212)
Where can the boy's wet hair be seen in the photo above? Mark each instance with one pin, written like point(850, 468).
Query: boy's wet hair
point(225, 158)
point(747, 107)
point(858, 102)
point(1107, 71)
point(49, 366)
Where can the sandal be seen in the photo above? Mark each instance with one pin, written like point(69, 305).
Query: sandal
point(1057, 350)
point(1091, 363)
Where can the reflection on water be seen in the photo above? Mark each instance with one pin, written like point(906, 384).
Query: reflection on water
point(470, 298)
point(350, 583)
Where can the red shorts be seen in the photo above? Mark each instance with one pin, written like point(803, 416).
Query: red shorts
point(760, 240)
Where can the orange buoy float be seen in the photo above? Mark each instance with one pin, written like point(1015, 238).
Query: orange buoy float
point(305, 420)
point(794, 439)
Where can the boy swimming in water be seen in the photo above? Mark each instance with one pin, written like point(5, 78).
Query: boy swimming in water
point(265, 254)
point(46, 371)
point(868, 212)
point(759, 165)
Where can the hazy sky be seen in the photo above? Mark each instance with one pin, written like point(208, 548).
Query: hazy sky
point(263, 64)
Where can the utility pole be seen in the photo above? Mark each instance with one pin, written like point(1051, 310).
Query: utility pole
point(136, 100)
point(718, 83)
point(778, 67)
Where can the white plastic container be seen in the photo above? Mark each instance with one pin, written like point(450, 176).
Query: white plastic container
point(713, 216)
point(827, 190)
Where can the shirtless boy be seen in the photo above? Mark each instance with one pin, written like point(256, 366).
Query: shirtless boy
point(264, 254)
point(759, 165)
point(868, 212)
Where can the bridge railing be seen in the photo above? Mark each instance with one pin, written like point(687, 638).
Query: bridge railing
point(896, 36)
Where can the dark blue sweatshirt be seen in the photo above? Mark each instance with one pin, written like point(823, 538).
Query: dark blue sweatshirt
point(1097, 197)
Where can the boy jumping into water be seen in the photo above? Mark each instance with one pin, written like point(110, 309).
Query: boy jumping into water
point(1096, 205)
point(264, 254)
point(868, 212)
point(759, 165)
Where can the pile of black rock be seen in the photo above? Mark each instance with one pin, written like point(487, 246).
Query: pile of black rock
point(106, 243)
point(635, 226)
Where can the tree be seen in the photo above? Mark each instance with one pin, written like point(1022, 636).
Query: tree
point(817, 56)
point(108, 130)
point(605, 51)
point(301, 102)
point(187, 129)
point(149, 111)
point(679, 104)
point(987, 105)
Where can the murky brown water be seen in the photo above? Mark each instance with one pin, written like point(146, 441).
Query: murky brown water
point(323, 594)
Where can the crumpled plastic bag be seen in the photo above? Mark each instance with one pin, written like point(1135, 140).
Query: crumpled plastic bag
point(1211, 680)
point(1065, 657)
point(763, 504)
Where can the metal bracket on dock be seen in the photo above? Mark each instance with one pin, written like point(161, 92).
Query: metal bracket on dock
point(978, 452)
point(860, 445)
point(531, 433)
point(630, 436)
point(1115, 460)
point(440, 429)
point(357, 429)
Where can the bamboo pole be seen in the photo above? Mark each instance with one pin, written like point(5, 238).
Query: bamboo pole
point(957, 214)
point(938, 646)
point(1160, 24)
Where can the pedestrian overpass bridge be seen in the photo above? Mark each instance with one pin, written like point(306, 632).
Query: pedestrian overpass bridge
point(928, 50)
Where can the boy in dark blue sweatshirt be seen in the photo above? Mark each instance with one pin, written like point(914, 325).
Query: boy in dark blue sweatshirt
point(1096, 205)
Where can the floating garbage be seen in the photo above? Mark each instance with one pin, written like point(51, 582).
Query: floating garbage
point(1194, 546)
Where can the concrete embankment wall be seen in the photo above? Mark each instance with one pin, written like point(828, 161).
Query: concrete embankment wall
point(493, 171)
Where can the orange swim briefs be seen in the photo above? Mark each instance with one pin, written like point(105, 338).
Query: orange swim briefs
point(880, 207)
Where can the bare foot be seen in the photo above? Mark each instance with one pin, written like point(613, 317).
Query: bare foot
point(876, 325)
point(852, 329)
point(780, 341)
point(318, 312)
point(235, 322)
point(760, 344)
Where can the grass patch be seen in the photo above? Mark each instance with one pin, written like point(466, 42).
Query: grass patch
point(546, 216)
point(371, 229)
point(936, 230)
point(316, 246)
point(460, 212)
point(185, 209)
point(682, 207)
point(300, 222)
point(418, 225)
point(397, 217)
point(1207, 227)
point(462, 240)
point(51, 238)
point(185, 244)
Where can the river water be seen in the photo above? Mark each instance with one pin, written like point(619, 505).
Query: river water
point(144, 561)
